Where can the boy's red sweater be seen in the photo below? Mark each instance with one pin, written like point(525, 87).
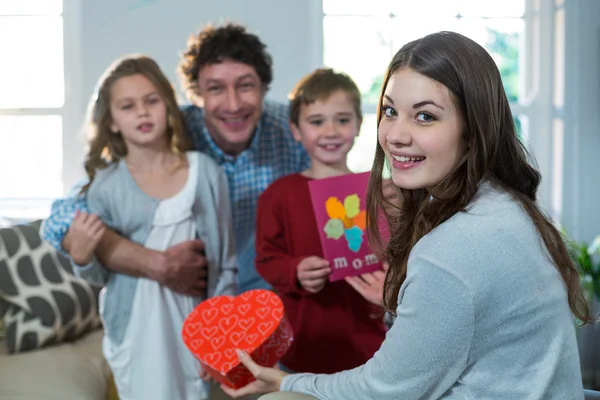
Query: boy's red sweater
point(335, 329)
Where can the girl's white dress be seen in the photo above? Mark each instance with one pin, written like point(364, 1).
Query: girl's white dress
point(152, 350)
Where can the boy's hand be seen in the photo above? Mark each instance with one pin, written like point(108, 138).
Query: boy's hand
point(86, 232)
point(312, 273)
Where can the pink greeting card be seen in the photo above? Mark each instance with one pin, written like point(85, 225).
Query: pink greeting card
point(340, 209)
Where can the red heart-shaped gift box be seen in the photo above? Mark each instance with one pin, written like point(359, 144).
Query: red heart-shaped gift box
point(253, 321)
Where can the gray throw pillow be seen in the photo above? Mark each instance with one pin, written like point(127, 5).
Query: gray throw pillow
point(3, 309)
point(41, 300)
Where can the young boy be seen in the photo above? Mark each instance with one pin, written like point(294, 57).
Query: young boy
point(335, 328)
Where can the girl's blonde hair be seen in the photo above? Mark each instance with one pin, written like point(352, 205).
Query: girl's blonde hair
point(104, 146)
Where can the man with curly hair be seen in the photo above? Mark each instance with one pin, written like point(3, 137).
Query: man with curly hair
point(226, 72)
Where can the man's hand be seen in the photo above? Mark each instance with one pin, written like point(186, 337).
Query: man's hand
point(312, 273)
point(85, 234)
point(370, 285)
point(182, 268)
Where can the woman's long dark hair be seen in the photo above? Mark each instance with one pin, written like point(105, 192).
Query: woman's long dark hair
point(493, 153)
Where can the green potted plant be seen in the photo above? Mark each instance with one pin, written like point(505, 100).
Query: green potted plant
point(587, 260)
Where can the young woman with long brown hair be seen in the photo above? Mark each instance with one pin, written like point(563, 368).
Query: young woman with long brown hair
point(479, 278)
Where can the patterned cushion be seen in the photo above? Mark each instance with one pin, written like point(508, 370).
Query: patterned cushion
point(3, 308)
point(42, 301)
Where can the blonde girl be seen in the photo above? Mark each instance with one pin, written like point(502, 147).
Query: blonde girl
point(146, 184)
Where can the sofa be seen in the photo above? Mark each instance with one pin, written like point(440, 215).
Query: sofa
point(73, 370)
point(50, 345)
point(50, 331)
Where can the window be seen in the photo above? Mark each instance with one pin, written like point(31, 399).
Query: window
point(32, 106)
point(558, 97)
point(361, 37)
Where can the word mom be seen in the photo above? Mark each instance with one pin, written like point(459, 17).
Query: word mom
point(357, 263)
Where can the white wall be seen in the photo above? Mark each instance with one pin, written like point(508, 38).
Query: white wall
point(581, 187)
point(160, 28)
